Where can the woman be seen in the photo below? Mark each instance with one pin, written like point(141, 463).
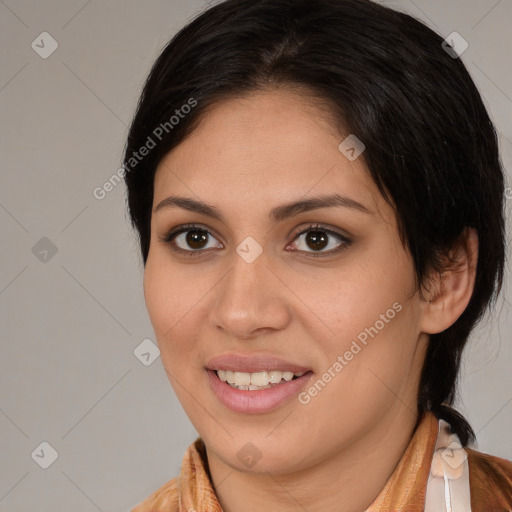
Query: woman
point(319, 198)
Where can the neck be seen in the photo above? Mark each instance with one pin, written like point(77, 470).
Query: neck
point(349, 480)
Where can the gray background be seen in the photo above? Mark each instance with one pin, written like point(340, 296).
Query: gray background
point(70, 321)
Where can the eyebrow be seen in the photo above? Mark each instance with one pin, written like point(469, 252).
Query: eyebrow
point(278, 213)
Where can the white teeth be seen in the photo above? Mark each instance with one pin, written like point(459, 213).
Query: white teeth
point(259, 378)
point(275, 377)
point(243, 379)
point(255, 380)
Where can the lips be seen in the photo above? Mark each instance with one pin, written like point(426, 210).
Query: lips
point(255, 401)
point(252, 364)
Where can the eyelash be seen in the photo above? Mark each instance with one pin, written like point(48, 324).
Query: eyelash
point(169, 237)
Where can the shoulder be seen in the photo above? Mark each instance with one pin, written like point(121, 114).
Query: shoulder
point(164, 499)
point(490, 482)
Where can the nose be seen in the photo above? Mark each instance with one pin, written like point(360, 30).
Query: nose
point(250, 300)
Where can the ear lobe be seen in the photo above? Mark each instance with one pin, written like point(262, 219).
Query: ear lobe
point(451, 290)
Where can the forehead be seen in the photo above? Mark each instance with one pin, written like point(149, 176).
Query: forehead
point(261, 148)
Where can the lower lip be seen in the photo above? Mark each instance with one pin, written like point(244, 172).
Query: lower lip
point(256, 401)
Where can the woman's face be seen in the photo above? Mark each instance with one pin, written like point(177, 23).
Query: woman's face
point(251, 289)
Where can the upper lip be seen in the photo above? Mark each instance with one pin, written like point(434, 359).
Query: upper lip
point(253, 363)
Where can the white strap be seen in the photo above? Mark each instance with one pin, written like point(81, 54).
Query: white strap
point(448, 483)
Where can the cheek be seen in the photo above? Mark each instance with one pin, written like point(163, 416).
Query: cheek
point(360, 382)
point(373, 327)
point(356, 300)
point(173, 301)
point(373, 356)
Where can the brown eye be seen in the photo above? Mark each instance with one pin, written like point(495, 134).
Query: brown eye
point(190, 239)
point(196, 238)
point(316, 238)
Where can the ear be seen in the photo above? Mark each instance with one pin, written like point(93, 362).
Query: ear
point(450, 291)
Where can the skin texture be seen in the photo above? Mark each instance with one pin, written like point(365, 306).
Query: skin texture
point(336, 452)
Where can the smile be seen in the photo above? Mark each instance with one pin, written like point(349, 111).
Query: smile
point(253, 398)
point(256, 380)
